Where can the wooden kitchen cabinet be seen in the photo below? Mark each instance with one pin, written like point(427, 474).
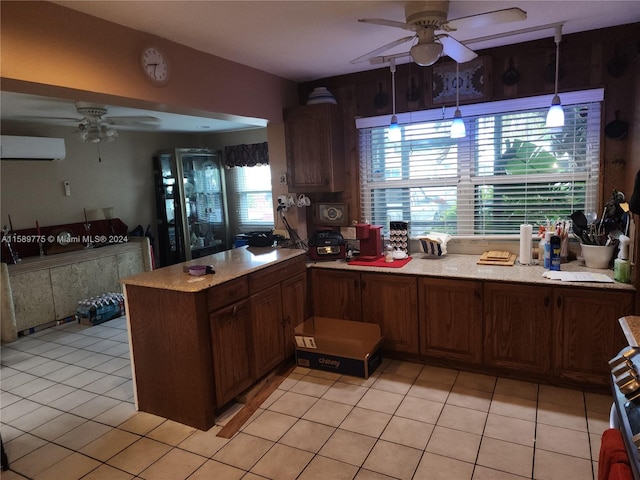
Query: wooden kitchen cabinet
point(450, 321)
point(517, 327)
point(267, 327)
point(295, 308)
point(231, 344)
point(587, 334)
point(336, 294)
point(314, 148)
point(391, 301)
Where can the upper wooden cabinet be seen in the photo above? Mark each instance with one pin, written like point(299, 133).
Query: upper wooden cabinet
point(315, 148)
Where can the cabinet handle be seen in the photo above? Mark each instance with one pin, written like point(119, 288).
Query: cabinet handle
point(234, 311)
point(363, 284)
point(286, 320)
point(559, 302)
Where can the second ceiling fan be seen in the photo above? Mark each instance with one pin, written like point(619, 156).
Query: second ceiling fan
point(429, 18)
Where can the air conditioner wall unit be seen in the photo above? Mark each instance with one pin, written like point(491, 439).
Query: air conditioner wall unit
point(31, 148)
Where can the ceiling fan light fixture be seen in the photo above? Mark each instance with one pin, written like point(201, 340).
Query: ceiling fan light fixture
point(425, 54)
point(96, 133)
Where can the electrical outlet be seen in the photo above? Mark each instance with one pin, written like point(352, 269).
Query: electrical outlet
point(283, 178)
point(67, 188)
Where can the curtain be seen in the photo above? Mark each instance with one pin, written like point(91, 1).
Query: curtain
point(246, 155)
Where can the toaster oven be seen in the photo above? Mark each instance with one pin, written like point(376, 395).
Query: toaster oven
point(327, 245)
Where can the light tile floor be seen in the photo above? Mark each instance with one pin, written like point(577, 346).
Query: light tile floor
point(68, 413)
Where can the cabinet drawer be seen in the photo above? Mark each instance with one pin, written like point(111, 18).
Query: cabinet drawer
point(227, 293)
point(275, 274)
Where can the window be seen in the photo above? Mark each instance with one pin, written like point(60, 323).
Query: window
point(252, 197)
point(509, 169)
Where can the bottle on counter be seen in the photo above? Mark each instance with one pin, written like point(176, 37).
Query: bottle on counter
point(555, 246)
point(621, 267)
point(547, 250)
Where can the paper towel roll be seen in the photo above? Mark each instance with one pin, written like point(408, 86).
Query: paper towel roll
point(526, 241)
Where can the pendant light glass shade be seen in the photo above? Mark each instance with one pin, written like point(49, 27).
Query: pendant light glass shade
point(555, 115)
point(394, 134)
point(458, 130)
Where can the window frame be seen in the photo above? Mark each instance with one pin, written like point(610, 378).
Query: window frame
point(472, 178)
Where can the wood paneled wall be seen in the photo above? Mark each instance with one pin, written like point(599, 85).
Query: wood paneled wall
point(585, 62)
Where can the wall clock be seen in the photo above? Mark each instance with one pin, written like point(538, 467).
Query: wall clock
point(155, 65)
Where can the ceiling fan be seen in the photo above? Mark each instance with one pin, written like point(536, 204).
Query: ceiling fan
point(96, 127)
point(428, 17)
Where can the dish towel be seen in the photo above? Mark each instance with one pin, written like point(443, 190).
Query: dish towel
point(613, 463)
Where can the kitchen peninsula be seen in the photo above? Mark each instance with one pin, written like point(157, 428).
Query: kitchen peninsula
point(199, 341)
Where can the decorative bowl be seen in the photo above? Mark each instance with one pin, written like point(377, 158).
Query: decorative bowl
point(320, 95)
point(197, 270)
point(597, 256)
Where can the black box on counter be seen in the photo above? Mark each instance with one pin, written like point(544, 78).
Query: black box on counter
point(340, 346)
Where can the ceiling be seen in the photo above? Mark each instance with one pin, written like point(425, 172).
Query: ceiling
point(308, 40)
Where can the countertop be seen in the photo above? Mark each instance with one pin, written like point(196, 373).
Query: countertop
point(466, 267)
point(228, 265)
point(631, 329)
point(237, 262)
point(34, 264)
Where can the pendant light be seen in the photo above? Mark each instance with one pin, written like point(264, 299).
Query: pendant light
point(555, 115)
point(458, 129)
point(394, 134)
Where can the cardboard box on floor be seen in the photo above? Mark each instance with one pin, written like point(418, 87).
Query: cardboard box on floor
point(341, 346)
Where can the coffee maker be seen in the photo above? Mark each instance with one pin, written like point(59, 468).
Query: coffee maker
point(370, 237)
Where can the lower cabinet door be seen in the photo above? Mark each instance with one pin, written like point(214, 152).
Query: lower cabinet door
point(518, 326)
point(267, 330)
point(451, 319)
point(294, 308)
point(231, 344)
point(336, 294)
point(391, 301)
point(587, 333)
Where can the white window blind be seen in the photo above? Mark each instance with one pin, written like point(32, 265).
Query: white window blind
point(251, 187)
point(509, 169)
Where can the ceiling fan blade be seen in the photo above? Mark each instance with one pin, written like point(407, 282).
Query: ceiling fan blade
point(384, 48)
point(144, 121)
point(50, 120)
point(390, 23)
point(486, 19)
point(456, 50)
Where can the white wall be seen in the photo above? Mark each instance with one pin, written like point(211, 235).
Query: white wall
point(33, 190)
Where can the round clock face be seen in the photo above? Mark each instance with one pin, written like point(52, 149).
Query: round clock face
point(63, 238)
point(155, 65)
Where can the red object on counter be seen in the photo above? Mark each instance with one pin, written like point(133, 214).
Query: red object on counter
point(381, 263)
point(613, 463)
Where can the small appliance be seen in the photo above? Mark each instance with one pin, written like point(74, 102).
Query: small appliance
point(370, 237)
point(327, 245)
